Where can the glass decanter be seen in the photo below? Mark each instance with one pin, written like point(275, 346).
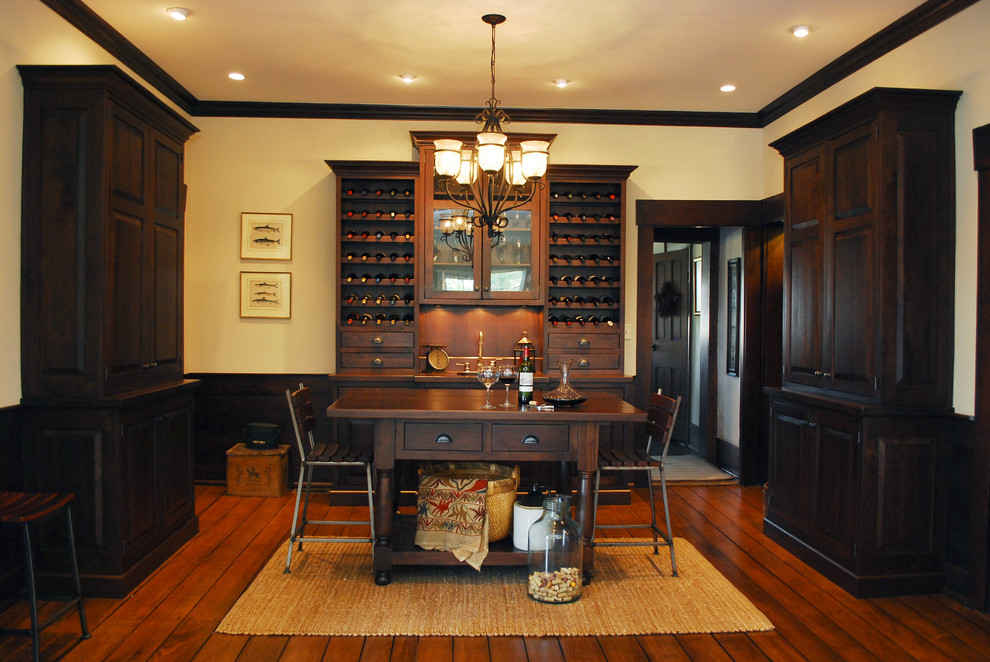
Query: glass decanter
point(564, 394)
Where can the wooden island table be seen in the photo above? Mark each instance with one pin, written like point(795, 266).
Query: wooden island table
point(449, 424)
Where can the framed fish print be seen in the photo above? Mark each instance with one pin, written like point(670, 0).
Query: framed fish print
point(266, 236)
point(266, 294)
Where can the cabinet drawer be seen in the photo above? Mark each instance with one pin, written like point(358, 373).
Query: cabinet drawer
point(377, 360)
point(581, 362)
point(528, 438)
point(581, 341)
point(446, 436)
point(373, 340)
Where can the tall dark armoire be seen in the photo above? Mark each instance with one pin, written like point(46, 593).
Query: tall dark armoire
point(857, 426)
point(107, 413)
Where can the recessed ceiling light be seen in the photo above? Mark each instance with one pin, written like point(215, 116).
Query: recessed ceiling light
point(233, 75)
point(178, 13)
point(728, 88)
point(407, 78)
point(800, 31)
point(561, 82)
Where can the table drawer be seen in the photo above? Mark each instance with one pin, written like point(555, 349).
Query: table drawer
point(529, 438)
point(442, 436)
point(375, 340)
point(584, 341)
point(377, 360)
point(581, 362)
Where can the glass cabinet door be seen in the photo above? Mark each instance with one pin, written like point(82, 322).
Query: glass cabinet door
point(464, 263)
point(452, 268)
point(510, 258)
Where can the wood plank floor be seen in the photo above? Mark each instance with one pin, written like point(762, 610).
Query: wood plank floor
point(172, 615)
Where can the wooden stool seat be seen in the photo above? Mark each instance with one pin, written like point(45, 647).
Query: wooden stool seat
point(25, 508)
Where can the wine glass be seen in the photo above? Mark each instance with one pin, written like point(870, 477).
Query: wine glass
point(507, 374)
point(487, 376)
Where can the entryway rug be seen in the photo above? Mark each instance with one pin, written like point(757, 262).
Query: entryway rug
point(689, 469)
point(331, 592)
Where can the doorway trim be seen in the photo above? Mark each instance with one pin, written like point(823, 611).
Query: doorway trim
point(700, 221)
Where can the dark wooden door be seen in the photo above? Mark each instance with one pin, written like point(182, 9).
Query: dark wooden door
point(850, 334)
point(803, 259)
point(672, 333)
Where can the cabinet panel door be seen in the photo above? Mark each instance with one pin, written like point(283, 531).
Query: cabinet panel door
point(851, 335)
point(140, 522)
point(791, 466)
point(803, 257)
point(174, 436)
point(164, 330)
point(125, 314)
point(836, 494)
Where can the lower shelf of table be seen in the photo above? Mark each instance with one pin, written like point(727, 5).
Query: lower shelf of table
point(405, 552)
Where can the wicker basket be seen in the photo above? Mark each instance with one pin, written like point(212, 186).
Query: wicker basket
point(501, 495)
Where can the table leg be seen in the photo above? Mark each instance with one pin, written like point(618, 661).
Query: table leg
point(584, 506)
point(384, 522)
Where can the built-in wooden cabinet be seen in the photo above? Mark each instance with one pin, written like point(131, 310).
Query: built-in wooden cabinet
point(585, 253)
point(107, 412)
point(376, 256)
point(867, 340)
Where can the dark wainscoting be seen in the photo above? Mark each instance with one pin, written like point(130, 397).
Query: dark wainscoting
point(959, 478)
point(727, 456)
point(226, 403)
point(11, 465)
point(11, 478)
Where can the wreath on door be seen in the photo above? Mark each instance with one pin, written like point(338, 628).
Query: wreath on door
point(667, 299)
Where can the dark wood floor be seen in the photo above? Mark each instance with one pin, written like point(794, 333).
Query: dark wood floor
point(172, 615)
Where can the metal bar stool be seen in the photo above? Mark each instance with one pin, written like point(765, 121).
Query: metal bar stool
point(25, 508)
point(322, 454)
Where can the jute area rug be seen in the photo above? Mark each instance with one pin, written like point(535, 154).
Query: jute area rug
point(331, 592)
point(690, 469)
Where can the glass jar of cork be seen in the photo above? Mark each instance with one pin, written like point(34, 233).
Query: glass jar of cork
point(555, 554)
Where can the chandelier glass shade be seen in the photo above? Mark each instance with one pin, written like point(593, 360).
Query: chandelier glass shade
point(493, 177)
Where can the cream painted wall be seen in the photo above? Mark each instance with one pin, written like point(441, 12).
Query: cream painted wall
point(953, 55)
point(237, 165)
point(269, 165)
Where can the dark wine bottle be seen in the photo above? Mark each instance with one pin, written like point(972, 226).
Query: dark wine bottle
point(526, 370)
point(351, 318)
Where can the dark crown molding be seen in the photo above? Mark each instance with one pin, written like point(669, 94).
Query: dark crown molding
point(909, 26)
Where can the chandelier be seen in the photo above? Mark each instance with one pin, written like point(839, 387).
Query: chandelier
point(492, 178)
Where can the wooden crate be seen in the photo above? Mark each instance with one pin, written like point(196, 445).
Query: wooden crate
point(252, 472)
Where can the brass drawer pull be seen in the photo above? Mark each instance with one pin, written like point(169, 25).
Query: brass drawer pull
point(377, 341)
point(531, 440)
point(376, 361)
point(584, 342)
point(443, 439)
point(584, 363)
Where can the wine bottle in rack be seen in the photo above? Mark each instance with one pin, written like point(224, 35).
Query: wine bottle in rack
point(407, 319)
point(554, 321)
point(350, 278)
point(379, 318)
point(365, 319)
point(392, 319)
point(608, 320)
point(365, 278)
point(351, 318)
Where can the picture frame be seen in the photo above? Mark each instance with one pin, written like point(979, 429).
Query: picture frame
point(266, 236)
point(732, 318)
point(698, 283)
point(266, 294)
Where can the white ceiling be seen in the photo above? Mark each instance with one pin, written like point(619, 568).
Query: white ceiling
point(621, 54)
